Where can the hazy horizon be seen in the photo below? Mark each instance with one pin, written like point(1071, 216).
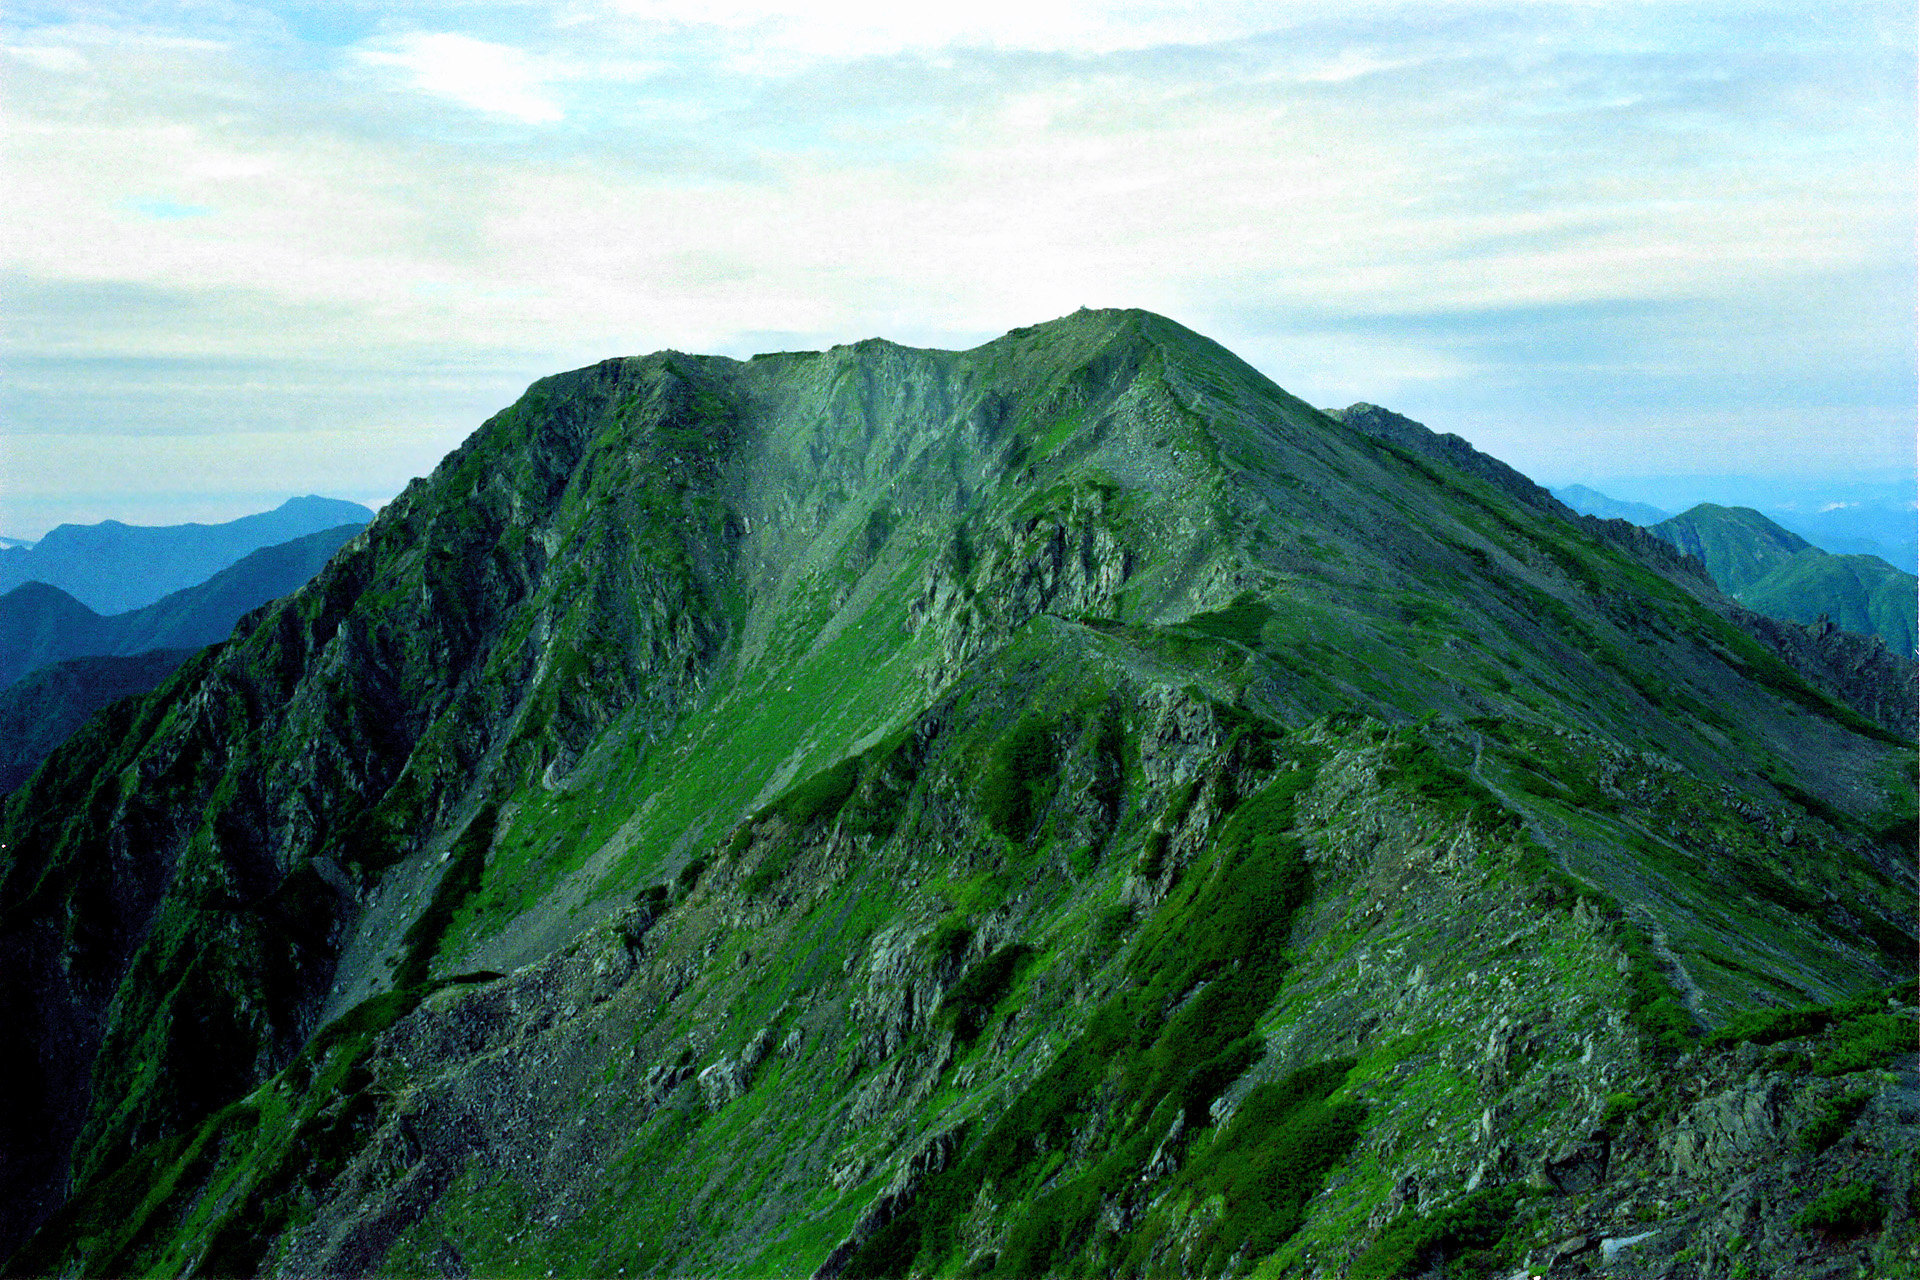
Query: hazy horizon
point(1675, 493)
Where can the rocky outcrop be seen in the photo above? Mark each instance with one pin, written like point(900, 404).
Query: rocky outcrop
point(729, 1079)
point(1859, 671)
point(1722, 1183)
point(931, 1158)
point(1401, 431)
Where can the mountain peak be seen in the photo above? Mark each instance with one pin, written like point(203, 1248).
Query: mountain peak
point(46, 599)
point(954, 782)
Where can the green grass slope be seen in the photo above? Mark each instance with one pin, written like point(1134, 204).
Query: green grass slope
point(1738, 545)
point(1860, 593)
point(1065, 805)
point(1775, 572)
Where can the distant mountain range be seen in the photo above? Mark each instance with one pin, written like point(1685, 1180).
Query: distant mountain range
point(60, 662)
point(41, 625)
point(1591, 502)
point(1774, 571)
point(1874, 529)
point(1869, 526)
point(112, 567)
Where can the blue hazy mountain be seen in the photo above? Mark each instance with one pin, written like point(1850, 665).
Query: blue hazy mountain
point(1591, 502)
point(1847, 516)
point(1878, 529)
point(41, 624)
point(112, 567)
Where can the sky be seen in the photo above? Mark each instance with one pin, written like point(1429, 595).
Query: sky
point(255, 250)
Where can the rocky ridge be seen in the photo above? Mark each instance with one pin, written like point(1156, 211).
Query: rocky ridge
point(1882, 688)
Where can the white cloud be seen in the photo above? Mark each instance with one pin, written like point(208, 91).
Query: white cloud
point(493, 78)
point(55, 58)
point(1331, 203)
point(837, 29)
point(1349, 64)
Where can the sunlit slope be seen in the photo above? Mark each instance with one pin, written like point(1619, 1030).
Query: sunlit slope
point(718, 686)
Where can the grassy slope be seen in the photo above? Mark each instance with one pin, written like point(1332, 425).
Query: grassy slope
point(1777, 573)
point(1859, 593)
point(1426, 918)
point(871, 585)
point(1738, 545)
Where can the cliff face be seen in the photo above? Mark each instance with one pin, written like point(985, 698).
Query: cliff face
point(1063, 803)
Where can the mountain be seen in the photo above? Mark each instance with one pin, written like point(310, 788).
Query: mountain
point(112, 567)
point(1777, 573)
point(1860, 593)
point(1591, 502)
point(1878, 529)
point(1738, 545)
point(43, 709)
point(1064, 805)
point(1847, 515)
point(41, 625)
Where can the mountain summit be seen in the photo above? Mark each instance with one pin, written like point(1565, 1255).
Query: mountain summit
point(1064, 805)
